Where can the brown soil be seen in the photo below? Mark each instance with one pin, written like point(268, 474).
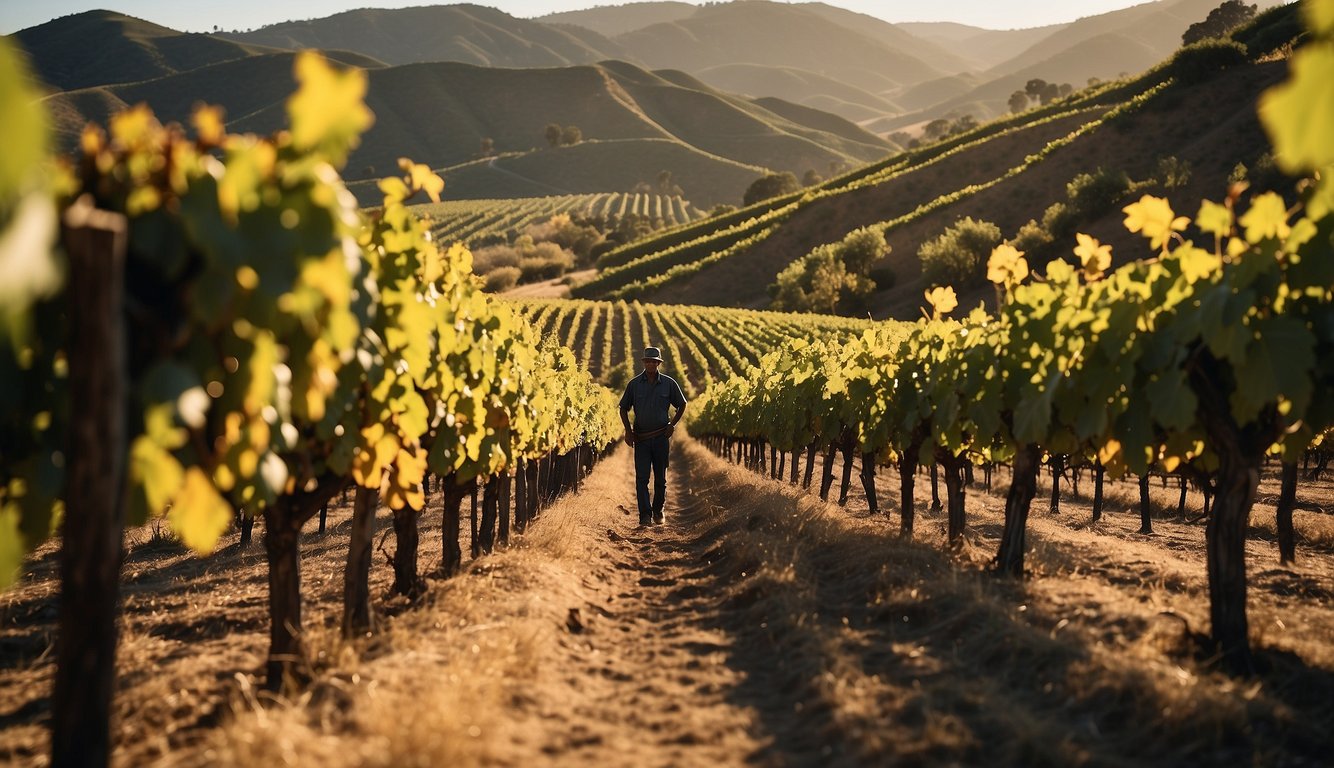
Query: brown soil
point(758, 626)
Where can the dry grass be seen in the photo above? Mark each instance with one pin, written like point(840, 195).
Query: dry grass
point(760, 626)
point(895, 651)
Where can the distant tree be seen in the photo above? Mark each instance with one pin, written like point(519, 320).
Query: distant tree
point(642, 188)
point(963, 125)
point(1034, 87)
point(1018, 102)
point(902, 138)
point(936, 129)
point(1050, 92)
point(571, 135)
point(1219, 22)
point(1094, 81)
point(811, 178)
point(553, 133)
point(1065, 89)
point(488, 147)
point(770, 185)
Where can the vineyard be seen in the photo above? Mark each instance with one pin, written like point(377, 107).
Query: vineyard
point(702, 345)
point(480, 221)
point(199, 331)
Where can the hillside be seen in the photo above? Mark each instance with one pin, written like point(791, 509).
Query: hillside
point(731, 33)
point(984, 48)
point(721, 142)
point(1007, 173)
point(470, 34)
point(612, 20)
point(103, 47)
point(801, 87)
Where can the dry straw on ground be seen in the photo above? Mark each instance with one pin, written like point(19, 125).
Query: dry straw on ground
point(759, 626)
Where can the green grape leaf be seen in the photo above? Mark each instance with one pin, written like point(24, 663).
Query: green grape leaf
point(1280, 358)
point(1171, 401)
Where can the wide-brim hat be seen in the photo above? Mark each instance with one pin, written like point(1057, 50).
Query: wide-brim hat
point(652, 353)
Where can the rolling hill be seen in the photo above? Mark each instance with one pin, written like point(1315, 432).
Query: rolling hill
point(613, 20)
point(102, 47)
point(1175, 138)
point(719, 142)
point(731, 33)
point(471, 34)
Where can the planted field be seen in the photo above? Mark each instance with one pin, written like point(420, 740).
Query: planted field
point(702, 345)
point(475, 222)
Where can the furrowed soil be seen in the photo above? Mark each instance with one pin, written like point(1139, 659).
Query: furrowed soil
point(758, 626)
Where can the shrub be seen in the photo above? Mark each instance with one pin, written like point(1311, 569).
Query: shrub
point(1172, 172)
point(861, 248)
point(1200, 61)
point(1058, 220)
point(770, 185)
point(1093, 194)
point(501, 279)
point(545, 261)
point(485, 260)
point(1032, 238)
point(959, 253)
point(832, 277)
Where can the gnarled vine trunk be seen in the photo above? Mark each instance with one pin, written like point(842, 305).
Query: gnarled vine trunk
point(356, 576)
point(1023, 487)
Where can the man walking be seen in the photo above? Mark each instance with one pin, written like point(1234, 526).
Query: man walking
point(649, 394)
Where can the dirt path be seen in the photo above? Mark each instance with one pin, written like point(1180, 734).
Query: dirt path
point(648, 675)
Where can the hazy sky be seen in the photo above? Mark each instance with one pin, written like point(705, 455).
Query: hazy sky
point(246, 14)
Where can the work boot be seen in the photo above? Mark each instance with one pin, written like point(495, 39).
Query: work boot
point(644, 520)
point(657, 517)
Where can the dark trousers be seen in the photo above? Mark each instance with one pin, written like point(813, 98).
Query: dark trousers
point(651, 455)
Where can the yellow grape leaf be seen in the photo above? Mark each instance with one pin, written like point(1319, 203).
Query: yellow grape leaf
point(1007, 265)
point(393, 189)
point(1094, 257)
point(209, 125)
point(1059, 272)
point(1112, 456)
point(1298, 114)
point(423, 178)
point(1214, 218)
point(1267, 217)
point(1153, 217)
point(157, 472)
point(198, 514)
point(135, 126)
point(405, 480)
point(12, 544)
point(1197, 263)
point(942, 299)
point(328, 111)
point(1319, 16)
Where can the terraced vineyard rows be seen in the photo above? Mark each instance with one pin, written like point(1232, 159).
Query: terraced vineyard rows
point(701, 344)
point(474, 221)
